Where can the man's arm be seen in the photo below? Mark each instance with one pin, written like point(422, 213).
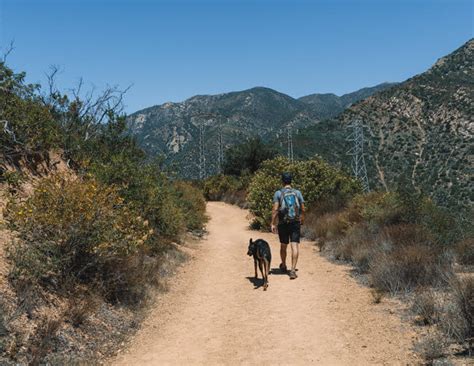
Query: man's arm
point(275, 208)
point(302, 214)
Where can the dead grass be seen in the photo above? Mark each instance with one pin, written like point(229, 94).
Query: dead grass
point(424, 307)
point(431, 347)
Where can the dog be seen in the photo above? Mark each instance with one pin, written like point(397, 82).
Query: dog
point(260, 250)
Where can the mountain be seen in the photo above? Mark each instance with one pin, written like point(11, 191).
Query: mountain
point(173, 129)
point(422, 128)
point(330, 105)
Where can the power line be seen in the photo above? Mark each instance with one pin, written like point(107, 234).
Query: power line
point(359, 169)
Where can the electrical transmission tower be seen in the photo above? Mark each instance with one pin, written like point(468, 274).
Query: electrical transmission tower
point(220, 152)
point(202, 156)
point(289, 140)
point(359, 169)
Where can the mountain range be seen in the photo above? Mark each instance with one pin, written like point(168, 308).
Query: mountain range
point(421, 128)
point(173, 129)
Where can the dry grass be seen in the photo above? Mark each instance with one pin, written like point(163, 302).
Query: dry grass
point(431, 347)
point(43, 338)
point(424, 307)
point(465, 251)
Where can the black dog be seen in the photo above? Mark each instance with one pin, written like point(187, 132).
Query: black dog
point(260, 250)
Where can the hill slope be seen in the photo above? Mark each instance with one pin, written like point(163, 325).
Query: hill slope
point(422, 127)
point(330, 105)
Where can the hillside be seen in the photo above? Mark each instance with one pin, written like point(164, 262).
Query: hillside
point(422, 127)
point(330, 105)
point(172, 129)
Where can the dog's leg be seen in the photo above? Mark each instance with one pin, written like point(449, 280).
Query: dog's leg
point(265, 278)
point(260, 265)
point(255, 265)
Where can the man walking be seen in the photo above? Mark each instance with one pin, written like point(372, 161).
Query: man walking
point(288, 206)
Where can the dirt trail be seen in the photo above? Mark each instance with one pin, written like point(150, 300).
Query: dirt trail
point(213, 315)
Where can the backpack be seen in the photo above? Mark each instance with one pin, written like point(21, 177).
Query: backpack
point(289, 205)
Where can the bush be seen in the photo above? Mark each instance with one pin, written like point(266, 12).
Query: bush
point(217, 186)
point(227, 188)
point(192, 204)
point(431, 347)
point(465, 251)
point(74, 231)
point(457, 321)
point(317, 180)
point(424, 307)
point(407, 267)
point(246, 158)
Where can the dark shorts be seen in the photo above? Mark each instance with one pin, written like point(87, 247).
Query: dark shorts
point(289, 232)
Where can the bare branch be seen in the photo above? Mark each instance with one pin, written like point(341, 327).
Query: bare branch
point(8, 50)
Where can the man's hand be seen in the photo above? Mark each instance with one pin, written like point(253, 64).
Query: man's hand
point(274, 228)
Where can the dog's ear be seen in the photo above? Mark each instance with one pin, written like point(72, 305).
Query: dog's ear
point(250, 242)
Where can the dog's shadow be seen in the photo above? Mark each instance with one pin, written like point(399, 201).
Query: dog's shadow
point(256, 282)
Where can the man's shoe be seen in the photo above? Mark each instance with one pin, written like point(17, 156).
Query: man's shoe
point(283, 268)
point(293, 275)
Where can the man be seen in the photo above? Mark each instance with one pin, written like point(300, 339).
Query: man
point(288, 206)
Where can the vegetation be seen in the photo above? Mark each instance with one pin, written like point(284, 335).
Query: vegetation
point(98, 233)
point(246, 158)
point(403, 244)
point(323, 186)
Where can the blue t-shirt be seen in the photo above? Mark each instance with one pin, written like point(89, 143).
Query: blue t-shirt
point(277, 195)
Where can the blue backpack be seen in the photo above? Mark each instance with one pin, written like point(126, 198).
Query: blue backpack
point(289, 205)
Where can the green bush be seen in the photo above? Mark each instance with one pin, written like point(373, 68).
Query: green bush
point(317, 180)
point(73, 231)
point(215, 187)
point(246, 158)
point(28, 129)
point(191, 203)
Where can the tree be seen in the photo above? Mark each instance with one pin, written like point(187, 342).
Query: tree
point(247, 157)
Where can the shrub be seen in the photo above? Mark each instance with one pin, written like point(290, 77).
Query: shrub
point(317, 180)
point(217, 186)
point(465, 251)
point(457, 320)
point(424, 307)
point(246, 158)
point(192, 204)
point(76, 231)
point(407, 267)
point(431, 347)
point(227, 188)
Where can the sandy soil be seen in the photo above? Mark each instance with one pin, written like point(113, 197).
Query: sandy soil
point(213, 315)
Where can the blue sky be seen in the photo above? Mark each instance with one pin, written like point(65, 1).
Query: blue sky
point(171, 50)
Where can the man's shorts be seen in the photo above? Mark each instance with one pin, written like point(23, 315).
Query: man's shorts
point(289, 232)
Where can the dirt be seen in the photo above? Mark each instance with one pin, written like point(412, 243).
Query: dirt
point(213, 314)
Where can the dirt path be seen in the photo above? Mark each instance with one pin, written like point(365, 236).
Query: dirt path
point(212, 314)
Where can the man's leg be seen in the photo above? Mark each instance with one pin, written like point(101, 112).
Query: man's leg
point(294, 255)
point(283, 253)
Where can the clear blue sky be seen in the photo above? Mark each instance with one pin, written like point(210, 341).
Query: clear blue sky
point(171, 50)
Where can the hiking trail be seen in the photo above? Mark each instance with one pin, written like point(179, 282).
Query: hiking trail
point(212, 315)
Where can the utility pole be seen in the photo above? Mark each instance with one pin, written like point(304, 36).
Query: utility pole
point(356, 136)
point(289, 141)
point(202, 156)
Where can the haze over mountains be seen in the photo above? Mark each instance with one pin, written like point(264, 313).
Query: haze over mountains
point(422, 127)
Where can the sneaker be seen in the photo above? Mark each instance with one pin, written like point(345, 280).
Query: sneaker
point(293, 275)
point(283, 268)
